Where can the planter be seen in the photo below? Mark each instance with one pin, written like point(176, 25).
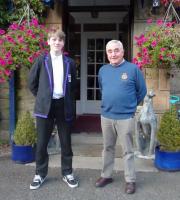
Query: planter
point(167, 161)
point(23, 154)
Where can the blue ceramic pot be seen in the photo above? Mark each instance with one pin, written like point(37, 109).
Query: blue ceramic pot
point(23, 154)
point(167, 161)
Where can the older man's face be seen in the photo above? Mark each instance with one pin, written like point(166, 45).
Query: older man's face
point(114, 53)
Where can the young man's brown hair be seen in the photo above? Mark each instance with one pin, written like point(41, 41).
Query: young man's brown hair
point(55, 31)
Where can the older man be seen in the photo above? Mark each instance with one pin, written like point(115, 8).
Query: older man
point(123, 87)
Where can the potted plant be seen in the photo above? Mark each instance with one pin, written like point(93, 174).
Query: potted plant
point(167, 153)
point(24, 140)
point(158, 46)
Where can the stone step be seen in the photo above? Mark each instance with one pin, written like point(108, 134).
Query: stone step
point(84, 162)
point(87, 150)
point(86, 144)
point(93, 150)
point(88, 138)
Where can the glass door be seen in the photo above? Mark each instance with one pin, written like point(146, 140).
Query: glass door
point(93, 51)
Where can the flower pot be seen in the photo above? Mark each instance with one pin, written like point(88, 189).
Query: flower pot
point(23, 154)
point(167, 161)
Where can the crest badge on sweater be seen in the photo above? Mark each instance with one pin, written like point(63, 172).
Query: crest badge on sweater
point(124, 76)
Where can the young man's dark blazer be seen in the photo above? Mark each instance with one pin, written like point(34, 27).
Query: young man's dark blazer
point(40, 83)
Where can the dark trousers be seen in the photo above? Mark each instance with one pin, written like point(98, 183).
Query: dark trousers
point(44, 129)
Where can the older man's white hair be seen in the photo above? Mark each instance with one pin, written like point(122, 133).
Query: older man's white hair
point(114, 42)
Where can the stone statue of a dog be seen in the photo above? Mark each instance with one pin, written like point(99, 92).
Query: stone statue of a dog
point(146, 127)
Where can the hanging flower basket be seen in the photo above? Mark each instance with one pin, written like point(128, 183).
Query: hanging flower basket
point(20, 45)
point(159, 45)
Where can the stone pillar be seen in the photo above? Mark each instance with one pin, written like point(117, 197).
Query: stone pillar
point(54, 17)
point(24, 98)
point(159, 81)
point(4, 110)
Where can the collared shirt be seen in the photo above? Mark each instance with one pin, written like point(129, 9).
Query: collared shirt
point(119, 63)
point(58, 75)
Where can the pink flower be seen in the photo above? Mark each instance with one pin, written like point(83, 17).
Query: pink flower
point(14, 26)
point(144, 50)
point(2, 62)
point(10, 39)
point(20, 39)
point(169, 24)
point(7, 72)
point(2, 80)
point(2, 31)
point(162, 49)
point(161, 57)
point(154, 43)
point(1, 41)
point(8, 54)
point(30, 59)
point(173, 56)
point(29, 32)
point(159, 22)
point(149, 21)
point(33, 36)
point(34, 22)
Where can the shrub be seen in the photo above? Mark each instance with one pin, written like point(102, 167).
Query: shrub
point(168, 134)
point(25, 132)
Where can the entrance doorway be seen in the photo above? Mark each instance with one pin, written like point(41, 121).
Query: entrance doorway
point(86, 41)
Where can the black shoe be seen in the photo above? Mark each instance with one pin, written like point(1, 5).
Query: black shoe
point(37, 182)
point(70, 180)
point(101, 182)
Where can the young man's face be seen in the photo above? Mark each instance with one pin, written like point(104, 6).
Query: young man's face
point(115, 54)
point(56, 45)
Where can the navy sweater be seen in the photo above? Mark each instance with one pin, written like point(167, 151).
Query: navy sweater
point(123, 88)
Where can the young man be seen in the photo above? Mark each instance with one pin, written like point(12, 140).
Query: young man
point(123, 87)
point(52, 81)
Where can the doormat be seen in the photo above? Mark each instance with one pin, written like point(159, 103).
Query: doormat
point(87, 123)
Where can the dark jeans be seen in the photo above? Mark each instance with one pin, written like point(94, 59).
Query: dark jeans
point(44, 128)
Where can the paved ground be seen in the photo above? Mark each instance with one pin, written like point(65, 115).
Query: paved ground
point(151, 185)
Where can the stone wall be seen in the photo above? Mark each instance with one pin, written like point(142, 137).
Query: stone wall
point(4, 110)
point(54, 16)
point(175, 81)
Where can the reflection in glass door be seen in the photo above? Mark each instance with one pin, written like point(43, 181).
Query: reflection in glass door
point(93, 57)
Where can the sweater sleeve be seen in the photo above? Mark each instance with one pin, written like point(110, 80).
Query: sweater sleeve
point(141, 89)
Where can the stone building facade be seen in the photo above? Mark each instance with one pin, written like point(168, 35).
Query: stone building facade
point(88, 26)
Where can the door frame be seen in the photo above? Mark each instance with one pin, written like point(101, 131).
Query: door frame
point(84, 106)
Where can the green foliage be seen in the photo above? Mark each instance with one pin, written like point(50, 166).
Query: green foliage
point(25, 132)
point(168, 134)
point(37, 9)
point(4, 14)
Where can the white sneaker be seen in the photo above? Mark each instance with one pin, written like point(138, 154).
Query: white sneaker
point(70, 180)
point(37, 182)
